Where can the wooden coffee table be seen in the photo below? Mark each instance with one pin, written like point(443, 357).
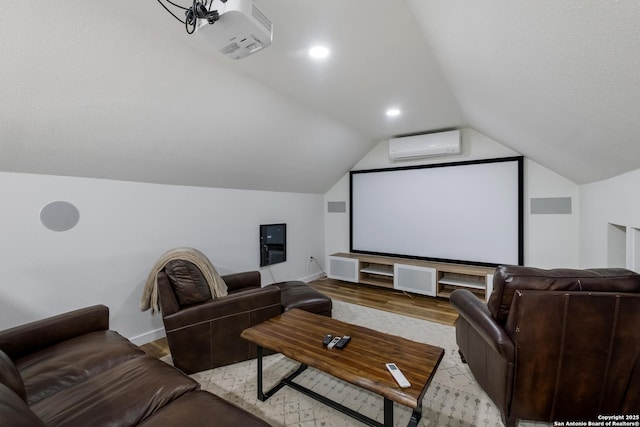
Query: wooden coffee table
point(298, 335)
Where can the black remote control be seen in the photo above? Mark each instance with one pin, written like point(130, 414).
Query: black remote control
point(327, 339)
point(343, 342)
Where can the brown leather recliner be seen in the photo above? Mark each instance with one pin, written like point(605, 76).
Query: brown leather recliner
point(555, 345)
point(204, 333)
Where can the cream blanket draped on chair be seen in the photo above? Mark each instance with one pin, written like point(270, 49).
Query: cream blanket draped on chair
point(150, 294)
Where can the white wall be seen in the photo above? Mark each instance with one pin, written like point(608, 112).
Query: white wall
point(336, 226)
point(124, 227)
point(550, 240)
point(612, 201)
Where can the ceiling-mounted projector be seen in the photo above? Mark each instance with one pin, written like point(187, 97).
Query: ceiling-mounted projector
point(242, 28)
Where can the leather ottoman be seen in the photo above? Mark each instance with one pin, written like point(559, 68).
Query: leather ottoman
point(296, 294)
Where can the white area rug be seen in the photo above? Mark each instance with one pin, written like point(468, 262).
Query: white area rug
point(452, 399)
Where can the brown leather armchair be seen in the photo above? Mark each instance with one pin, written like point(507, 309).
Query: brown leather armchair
point(204, 333)
point(554, 345)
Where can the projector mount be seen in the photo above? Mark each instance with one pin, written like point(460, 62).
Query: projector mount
point(200, 9)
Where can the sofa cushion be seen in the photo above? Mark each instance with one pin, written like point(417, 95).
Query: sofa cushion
point(296, 294)
point(122, 396)
point(508, 279)
point(201, 408)
point(14, 411)
point(60, 366)
point(10, 376)
point(187, 282)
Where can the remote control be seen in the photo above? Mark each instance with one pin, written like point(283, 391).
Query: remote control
point(327, 339)
point(333, 342)
point(343, 342)
point(398, 375)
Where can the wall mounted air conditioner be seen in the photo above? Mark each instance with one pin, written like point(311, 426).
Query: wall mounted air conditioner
point(428, 145)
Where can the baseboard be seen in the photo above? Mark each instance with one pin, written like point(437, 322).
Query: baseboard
point(313, 277)
point(148, 337)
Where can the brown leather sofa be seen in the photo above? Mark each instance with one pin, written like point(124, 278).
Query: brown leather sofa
point(204, 333)
point(72, 370)
point(555, 345)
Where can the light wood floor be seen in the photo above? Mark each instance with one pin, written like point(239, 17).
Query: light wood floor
point(413, 305)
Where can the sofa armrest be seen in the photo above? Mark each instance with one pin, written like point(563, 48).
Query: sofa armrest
point(232, 304)
point(30, 337)
point(15, 412)
point(476, 313)
point(237, 282)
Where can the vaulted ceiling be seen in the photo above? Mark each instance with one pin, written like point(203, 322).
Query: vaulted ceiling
point(118, 89)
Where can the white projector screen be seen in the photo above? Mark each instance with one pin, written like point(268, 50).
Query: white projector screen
point(463, 212)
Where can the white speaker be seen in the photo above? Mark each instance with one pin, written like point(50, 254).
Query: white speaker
point(412, 278)
point(341, 268)
point(489, 289)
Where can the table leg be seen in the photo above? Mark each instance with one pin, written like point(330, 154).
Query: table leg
point(415, 417)
point(261, 396)
point(388, 404)
point(388, 412)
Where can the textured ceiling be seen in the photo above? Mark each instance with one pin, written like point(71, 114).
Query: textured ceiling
point(118, 90)
point(558, 81)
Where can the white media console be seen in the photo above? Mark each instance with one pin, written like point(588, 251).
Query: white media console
point(411, 275)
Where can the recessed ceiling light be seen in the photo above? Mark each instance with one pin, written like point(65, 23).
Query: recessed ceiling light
point(393, 112)
point(318, 52)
